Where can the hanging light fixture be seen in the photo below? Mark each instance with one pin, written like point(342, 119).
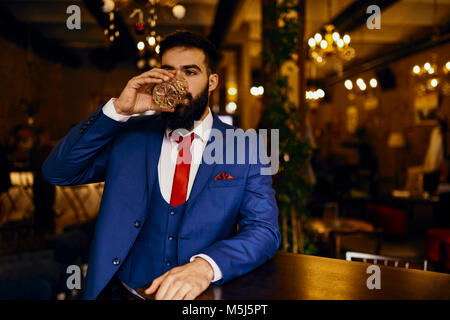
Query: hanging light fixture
point(139, 27)
point(111, 31)
point(348, 84)
point(330, 44)
point(146, 22)
point(315, 94)
point(179, 11)
point(361, 84)
point(432, 74)
point(108, 6)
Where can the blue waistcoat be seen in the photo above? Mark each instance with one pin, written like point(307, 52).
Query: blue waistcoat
point(155, 250)
point(125, 155)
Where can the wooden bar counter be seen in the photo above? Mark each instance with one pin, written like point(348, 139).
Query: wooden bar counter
point(298, 277)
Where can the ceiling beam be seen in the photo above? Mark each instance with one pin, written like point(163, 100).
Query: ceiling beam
point(225, 12)
point(46, 12)
point(25, 35)
point(355, 15)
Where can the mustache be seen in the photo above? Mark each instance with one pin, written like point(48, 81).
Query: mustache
point(181, 105)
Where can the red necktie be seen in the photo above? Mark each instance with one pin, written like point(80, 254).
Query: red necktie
point(181, 176)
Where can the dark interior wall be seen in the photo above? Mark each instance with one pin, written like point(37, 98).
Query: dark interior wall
point(85, 89)
point(395, 113)
point(43, 81)
point(67, 95)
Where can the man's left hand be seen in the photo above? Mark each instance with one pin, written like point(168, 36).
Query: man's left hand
point(186, 282)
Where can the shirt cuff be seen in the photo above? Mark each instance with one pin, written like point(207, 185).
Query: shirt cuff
point(216, 269)
point(109, 111)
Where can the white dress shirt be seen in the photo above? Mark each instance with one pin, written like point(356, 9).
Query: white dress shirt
point(168, 159)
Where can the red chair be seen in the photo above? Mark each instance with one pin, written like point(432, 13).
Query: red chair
point(393, 221)
point(447, 254)
point(437, 246)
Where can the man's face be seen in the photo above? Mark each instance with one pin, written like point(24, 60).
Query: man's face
point(189, 64)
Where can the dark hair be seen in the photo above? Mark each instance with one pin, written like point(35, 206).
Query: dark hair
point(181, 38)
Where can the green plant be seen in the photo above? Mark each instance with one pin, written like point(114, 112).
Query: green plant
point(280, 45)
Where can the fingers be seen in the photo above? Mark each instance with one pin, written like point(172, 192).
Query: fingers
point(165, 287)
point(155, 284)
point(152, 77)
point(159, 73)
point(184, 282)
point(191, 295)
point(186, 292)
point(172, 289)
point(138, 82)
point(147, 87)
point(181, 293)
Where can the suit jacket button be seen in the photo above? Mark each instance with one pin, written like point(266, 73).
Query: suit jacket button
point(170, 238)
point(116, 261)
point(172, 212)
point(137, 224)
point(168, 263)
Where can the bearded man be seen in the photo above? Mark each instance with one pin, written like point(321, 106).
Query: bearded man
point(168, 220)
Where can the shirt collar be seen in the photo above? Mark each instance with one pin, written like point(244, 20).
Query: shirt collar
point(202, 128)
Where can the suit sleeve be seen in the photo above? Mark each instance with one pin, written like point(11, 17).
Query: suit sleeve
point(82, 155)
point(258, 238)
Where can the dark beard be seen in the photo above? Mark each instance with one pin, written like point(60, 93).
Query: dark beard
point(185, 115)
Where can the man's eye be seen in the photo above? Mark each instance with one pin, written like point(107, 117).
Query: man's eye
point(189, 72)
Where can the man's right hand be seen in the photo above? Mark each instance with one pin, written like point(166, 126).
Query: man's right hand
point(137, 95)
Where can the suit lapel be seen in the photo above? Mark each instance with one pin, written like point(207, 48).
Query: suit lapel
point(205, 170)
point(154, 143)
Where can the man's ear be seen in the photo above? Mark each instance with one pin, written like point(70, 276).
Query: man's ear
point(213, 81)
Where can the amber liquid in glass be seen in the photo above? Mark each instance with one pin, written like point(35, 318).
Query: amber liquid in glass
point(169, 94)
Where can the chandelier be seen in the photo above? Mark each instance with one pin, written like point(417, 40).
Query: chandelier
point(315, 94)
point(361, 84)
point(431, 76)
point(330, 44)
point(144, 29)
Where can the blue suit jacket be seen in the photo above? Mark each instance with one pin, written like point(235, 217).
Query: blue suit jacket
point(125, 155)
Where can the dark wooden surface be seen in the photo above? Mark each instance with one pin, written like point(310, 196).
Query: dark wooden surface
point(292, 277)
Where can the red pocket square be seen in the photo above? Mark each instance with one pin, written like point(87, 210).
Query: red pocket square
point(223, 176)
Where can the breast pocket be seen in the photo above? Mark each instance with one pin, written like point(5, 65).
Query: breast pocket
point(226, 183)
